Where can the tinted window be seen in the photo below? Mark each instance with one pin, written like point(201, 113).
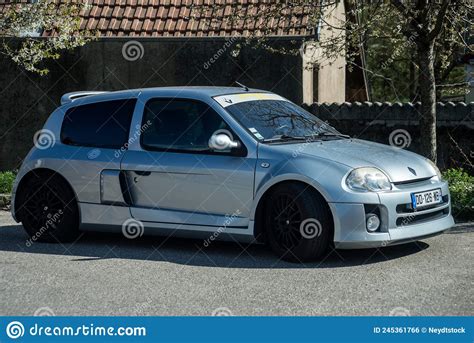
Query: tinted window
point(102, 124)
point(270, 118)
point(179, 125)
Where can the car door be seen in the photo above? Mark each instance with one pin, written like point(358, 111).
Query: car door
point(174, 177)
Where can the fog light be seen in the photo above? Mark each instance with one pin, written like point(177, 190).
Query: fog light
point(372, 222)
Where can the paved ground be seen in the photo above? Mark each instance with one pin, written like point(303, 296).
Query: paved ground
point(110, 275)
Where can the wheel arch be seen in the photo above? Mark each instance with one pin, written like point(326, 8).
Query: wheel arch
point(262, 195)
point(38, 172)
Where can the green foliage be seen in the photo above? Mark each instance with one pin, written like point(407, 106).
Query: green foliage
point(461, 187)
point(27, 20)
point(6, 181)
point(390, 43)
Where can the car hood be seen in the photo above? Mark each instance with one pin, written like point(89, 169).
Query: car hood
point(398, 164)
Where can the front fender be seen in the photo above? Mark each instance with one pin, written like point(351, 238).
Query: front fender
point(326, 176)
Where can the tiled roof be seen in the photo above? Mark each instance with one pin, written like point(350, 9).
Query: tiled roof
point(156, 18)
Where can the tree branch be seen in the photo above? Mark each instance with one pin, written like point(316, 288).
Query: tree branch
point(440, 20)
point(404, 11)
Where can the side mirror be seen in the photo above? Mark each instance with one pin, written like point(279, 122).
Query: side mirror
point(222, 142)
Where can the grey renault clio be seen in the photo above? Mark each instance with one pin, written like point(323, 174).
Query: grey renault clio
point(221, 163)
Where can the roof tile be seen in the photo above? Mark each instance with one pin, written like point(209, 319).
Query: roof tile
point(185, 17)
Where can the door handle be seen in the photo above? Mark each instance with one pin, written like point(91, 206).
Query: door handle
point(142, 172)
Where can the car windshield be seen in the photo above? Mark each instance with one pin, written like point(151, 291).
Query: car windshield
point(276, 120)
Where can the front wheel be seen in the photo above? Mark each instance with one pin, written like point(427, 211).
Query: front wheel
point(48, 209)
point(298, 222)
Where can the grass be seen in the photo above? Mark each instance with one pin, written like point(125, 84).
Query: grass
point(461, 187)
point(6, 181)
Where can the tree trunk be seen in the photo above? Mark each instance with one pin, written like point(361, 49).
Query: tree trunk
point(427, 84)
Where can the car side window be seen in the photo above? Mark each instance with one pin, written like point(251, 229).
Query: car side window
point(103, 124)
point(179, 125)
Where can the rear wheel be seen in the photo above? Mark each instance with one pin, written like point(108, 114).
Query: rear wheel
point(48, 209)
point(298, 222)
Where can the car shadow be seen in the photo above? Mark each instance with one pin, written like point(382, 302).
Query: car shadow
point(99, 246)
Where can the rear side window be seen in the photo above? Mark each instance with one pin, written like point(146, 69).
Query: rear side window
point(103, 124)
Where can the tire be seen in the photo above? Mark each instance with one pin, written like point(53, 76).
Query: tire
point(48, 209)
point(298, 222)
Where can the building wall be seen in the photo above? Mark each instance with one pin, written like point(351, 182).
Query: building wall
point(27, 99)
point(332, 73)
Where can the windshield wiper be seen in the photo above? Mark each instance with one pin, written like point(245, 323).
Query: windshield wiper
point(281, 138)
point(330, 134)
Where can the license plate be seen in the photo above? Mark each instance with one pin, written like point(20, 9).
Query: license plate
point(423, 199)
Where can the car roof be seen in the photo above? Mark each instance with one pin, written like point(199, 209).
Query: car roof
point(177, 91)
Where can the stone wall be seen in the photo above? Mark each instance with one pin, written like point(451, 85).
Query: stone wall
point(398, 124)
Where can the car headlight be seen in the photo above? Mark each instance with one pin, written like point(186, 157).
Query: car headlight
point(435, 167)
point(368, 179)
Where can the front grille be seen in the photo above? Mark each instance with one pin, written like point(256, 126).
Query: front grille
point(412, 182)
point(416, 216)
point(408, 208)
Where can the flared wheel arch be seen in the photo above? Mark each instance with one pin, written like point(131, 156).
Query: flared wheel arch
point(259, 227)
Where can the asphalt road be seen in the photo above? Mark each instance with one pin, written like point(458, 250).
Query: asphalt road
point(111, 275)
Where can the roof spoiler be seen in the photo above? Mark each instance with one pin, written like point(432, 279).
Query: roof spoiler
point(70, 97)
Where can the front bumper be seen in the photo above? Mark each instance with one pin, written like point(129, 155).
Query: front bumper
point(400, 224)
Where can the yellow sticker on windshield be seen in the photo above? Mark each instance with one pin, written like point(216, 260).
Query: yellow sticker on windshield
point(232, 99)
